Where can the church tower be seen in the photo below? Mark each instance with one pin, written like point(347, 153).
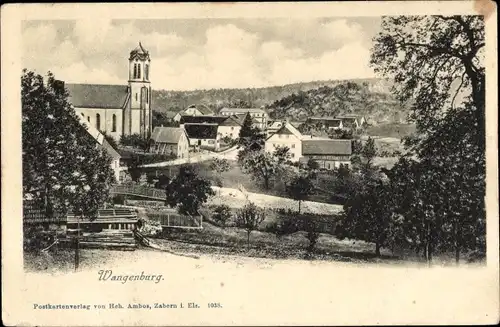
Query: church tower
point(137, 116)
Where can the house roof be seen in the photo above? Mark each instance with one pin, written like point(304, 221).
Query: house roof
point(201, 108)
point(327, 147)
point(100, 139)
point(202, 119)
point(170, 114)
point(98, 95)
point(243, 110)
point(231, 121)
point(201, 131)
point(288, 128)
point(169, 135)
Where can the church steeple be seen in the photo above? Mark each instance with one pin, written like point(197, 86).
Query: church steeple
point(137, 118)
point(139, 62)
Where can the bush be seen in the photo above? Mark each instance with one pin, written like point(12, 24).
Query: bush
point(150, 227)
point(134, 140)
point(118, 199)
point(221, 214)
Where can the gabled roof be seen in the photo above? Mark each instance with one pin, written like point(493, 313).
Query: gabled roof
point(288, 128)
point(99, 137)
point(169, 135)
point(202, 119)
point(201, 108)
point(326, 147)
point(97, 95)
point(201, 131)
point(243, 110)
point(231, 121)
point(170, 114)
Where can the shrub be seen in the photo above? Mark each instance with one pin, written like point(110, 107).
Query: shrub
point(221, 214)
point(118, 199)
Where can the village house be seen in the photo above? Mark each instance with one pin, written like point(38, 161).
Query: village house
point(352, 121)
point(329, 154)
point(273, 127)
point(118, 109)
point(104, 144)
point(171, 141)
point(286, 136)
point(194, 110)
point(327, 122)
point(260, 116)
point(203, 136)
point(230, 127)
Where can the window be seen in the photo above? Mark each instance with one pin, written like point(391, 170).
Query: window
point(147, 96)
point(135, 96)
point(135, 71)
point(293, 155)
point(98, 121)
point(88, 119)
point(211, 141)
point(146, 72)
point(139, 71)
point(232, 128)
point(293, 145)
point(83, 115)
point(279, 135)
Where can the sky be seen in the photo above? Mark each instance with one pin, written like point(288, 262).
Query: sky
point(193, 54)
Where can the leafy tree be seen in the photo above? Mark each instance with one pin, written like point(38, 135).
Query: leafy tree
point(249, 218)
point(187, 191)
point(62, 167)
point(163, 181)
point(312, 164)
point(265, 166)
point(133, 167)
point(437, 64)
point(311, 228)
point(221, 214)
point(220, 166)
point(300, 188)
point(368, 215)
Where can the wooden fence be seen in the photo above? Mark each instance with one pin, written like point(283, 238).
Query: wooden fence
point(175, 220)
point(136, 190)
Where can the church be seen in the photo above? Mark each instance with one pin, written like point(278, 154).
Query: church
point(118, 109)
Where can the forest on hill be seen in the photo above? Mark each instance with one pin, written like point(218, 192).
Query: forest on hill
point(297, 101)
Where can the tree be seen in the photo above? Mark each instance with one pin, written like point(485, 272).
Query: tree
point(246, 130)
point(264, 165)
point(300, 188)
point(220, 166)
point(312, 164)
point(437, 64)
point(111, 140)
point(62, 167)
point(133, 167)
point(368, 215)
point(249, 218)
point(187, 191)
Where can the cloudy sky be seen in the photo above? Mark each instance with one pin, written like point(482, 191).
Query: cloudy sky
point(203, 53)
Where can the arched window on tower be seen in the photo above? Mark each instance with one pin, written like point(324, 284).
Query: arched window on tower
point(139, 71)
point(135, 71)
point(147, 95)
point(88, 119)
point(98, 121)
point(114, 123)
point(146, 72)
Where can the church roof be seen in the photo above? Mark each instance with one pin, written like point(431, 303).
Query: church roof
point(97, 95)
point(140, 52)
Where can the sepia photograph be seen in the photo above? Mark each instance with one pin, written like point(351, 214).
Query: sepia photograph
point(166, 150)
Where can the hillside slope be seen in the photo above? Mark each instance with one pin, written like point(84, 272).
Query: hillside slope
point(377, 105)
point(164, 100)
